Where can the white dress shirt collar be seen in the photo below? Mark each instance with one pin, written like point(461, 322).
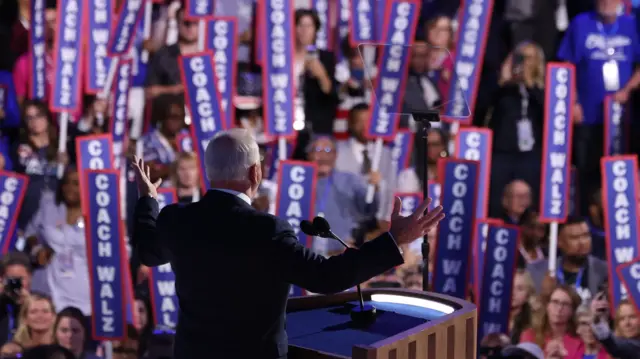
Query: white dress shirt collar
point(242, 196)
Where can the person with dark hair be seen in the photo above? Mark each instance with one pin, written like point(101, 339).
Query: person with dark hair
point(51, 351)
point(16, 271)
point(128, 348)
point(576, 266)
point(144, 321)
point(532, 234)
point(58, 232)
point(595, 220)
point(71, 331)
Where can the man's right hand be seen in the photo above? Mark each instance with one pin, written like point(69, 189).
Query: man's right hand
point(406, 229)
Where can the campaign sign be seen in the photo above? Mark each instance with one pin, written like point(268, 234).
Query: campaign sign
point(574, 193)
point(123, 34)
point(619, 199)
point(164, 300)
point(481, 231)
point(453, 244)
point(410, 202)
point(185, 142)
point(37, 56)
point(13, 187)
point(402, 149)
point(398, 32)
point(278, 81)
point(475, 144)
point(323, 35)
point(105, 241)
point(498, 274)
point(629, 275)
point(473, 28)
point(342, 27)
point(435, 192)
point(296, 199)
point(93, 152)
point(67, 57)
point(100, 17)
point(203, 102)
point(120, 110)
point(198, 9)
point(615, 128)
point(362, 22)
point(274, 156)
point(222, 39)
point(556, 144)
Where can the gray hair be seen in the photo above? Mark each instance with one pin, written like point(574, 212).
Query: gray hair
point(229, 155)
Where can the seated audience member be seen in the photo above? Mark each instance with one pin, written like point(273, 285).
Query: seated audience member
point(595, 220)
point(128, 348)
point(521, 309)
point(492, 344)
point(16, 271)
point(554, 327)
point(185, 176)
point(576, 267)
point(340, 196)
point(410, 179)
point(37, 317)
point(144, 321)
point(624, 342)
point(532, 234)
point(71, 332)
point(11, 350)
point(51, 351)
point(592, 348)
point(516, 200)
point(523, 351)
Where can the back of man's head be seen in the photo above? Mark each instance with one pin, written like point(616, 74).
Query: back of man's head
point(230, 154)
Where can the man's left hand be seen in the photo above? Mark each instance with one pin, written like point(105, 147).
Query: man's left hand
point(621, 96)
point(143, 178)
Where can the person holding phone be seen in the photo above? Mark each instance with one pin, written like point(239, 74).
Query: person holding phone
point(16, 272)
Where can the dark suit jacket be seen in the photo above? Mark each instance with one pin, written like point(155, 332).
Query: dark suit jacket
point(234, 267)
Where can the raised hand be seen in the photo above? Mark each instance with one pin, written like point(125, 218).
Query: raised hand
point(143, 178)
point(407, 229)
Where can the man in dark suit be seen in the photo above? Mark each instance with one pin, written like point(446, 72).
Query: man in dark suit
point(234, 265)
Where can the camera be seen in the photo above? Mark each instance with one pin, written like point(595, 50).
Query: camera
point(13, 284)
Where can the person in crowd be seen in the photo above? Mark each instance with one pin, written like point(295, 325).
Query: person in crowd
point(340, 196)
point(522, 351)
point(554, 328)
point(439, 36)
point(355, 155)
point(36, 321)
point(410, 179)
point(420, 94)
point(160, 144)
point(72, 332)
point(128, 348)
point(314, 72)
point(521, 309)
point(16, 272)
point(627, 321)
point(36, 155)
point(516, 201)
point(592, 348)
point(605, 48)
point(163, 72)
point(492, 344)
point(185, 177)
point(576, 267)
point(60, 229)
point(624, 342)
point(95, 116)
point(143, 322)
point(532, 234)
point(51, 351)
point(22, 78)
point(351, 78)
point(595, 220)
point(11, 350)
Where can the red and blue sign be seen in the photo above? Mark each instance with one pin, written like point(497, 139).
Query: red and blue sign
point(343, 26)
point(475, 144)
point(362, 22)
point(100, 18)
point(222, 39)
point(122, 37)
point(620, 205)
point(37, 57)
point(435, 191)
point(198, 9)
point(400, 25)
point(278, 80)
point(402, 148)
point(93, 152)
point(629, 274)
point(323, 35)
point(479, 246)
point(556, 146)
point(118, 121)
point(105, 248)
point(203, 102)
point(616, 128)
point(67, 57)
point(453, 244)
point(498, 273)
point(184, 142)
point(13, 187)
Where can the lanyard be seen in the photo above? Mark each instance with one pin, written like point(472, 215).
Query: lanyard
point(560, 276)
point(322, 201)
point(525, 102)
point(11, 320)
point(613, 30)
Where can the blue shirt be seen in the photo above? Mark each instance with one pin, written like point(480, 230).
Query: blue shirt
point(585, 45)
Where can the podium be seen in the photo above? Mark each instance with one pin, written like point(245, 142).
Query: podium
point(409, 325)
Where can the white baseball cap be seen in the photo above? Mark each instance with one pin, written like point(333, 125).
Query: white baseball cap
point(528, 348)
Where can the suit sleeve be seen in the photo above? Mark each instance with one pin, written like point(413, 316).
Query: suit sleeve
point(302, 267)
point(151, 231)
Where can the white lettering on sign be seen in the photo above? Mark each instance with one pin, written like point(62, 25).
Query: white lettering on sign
point(279, 81)
point(8, 197)
point(345, 14)
point(204, 102)
point(128, 25)
point(121, 103)
point(95, 150)
point(635, 274)
point(100, 38)
point(451, 267)
point(624, 252)
point(472, 140)
point(38, 48)
point(106, 273)
point(167, 291)
point(396, 151)
point(497, 278)
point(365, 27)
point(558, 160)
point(408, 206)
point(68, 54)
point(322, 37)
point(295, 192)
point(388, 86)
point(220, 59)
point(202, 7)
point(616, 130)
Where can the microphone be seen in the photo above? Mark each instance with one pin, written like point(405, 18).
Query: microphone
point(365, 314)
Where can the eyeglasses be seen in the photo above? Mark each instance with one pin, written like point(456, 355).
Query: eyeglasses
point(322, 149)
point(559, 303)
point(38, 116)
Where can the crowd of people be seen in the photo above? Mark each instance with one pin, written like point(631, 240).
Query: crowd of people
point(45, 297)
